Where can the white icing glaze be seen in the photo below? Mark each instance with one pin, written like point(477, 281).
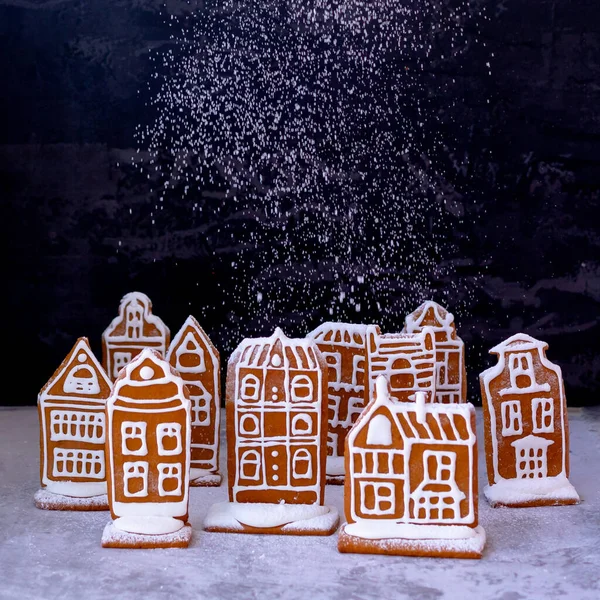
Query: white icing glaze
point(76, 489)
point(378, 529)
point(517, 491)
point(148, 525)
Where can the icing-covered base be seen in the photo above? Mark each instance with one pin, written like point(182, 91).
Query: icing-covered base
point(282, 519)
point(202, 478)
point(46, 500)
point(436, 545)
point(523, 493)
point(112, 537)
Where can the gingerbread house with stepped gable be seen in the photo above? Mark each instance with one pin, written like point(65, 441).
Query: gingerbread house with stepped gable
point(276, 440)
point(72, 433)
point(196, 360)
point(451, 376)
point(525, 427)
point(134, 329)
point(148, 452)
point(411, 479)
point(344, 348)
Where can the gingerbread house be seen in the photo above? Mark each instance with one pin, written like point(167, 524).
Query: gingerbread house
point(72, 433)
point(525, 427)
point(134, 329)
point(344, 348)
point(276, 440)
point(148, 451)
point(451, 375)
point(407, 360)
point(411, 479)
point(196, 360)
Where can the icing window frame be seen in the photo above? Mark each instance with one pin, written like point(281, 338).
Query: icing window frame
point(198, 351)
point(250, 458)
point(358, 367)
point(78, 458)
point(169, 471)
point(73, 381)
point(299, 383)
point(542, 409)
point(200, 410)
point(134, 321)
point(64, 427)
point(335, 364)
point(250, 382)
point(511, 414)
point(134, 470)
point(164, 430)
point(302, 418)
point(443, 462)
point(378, 498)
point(302, 457)
point(249, 418)
point(521, 365)
point(138, 432)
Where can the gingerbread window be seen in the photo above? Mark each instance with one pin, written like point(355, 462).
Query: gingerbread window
point(302, 388)
point(521, 370)
point(380, 431)
point(200, 410)
point(134, 323)
point(543, 415)
point(250, 388)
point(135, 479)
point(250, 465)
point(358, 370)
point(302, 425)
point(169, 479)
point(82, 380)
point(78, 463)
point(133, 436)
point(334, 364)
point(249, 425)
point(302, 464)
point(168, 436)
point(189, 356)
point(512, 420)
point(377, 498)
point(77, 425)
point(120, 360)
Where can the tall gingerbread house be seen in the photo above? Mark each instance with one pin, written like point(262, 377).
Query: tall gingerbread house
point(411, 479)
point(148, 447)
point(132, 330)
point(344, 348)
point(525, 426)
point(406, 360)
point(195, 358)
point(451, 375)
point(72, 433)
point(276, 440)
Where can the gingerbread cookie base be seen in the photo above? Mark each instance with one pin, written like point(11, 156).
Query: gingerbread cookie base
point(469, 547)
point(46, 500)
point(335, 470)
point(335, 479)
point(112, 537)
point(525, 493)
point(278, 519)
point(202, 478)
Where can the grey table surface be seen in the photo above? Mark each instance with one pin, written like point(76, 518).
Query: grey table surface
point(549, 552)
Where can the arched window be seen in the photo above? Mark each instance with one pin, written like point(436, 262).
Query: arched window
point(250, 465)
point(250, 387)
point(302, 464)
point(302, 425)
point(302, 388)
point(82, 380)
point(190, 356)
point(380, 431)
point(249, 425)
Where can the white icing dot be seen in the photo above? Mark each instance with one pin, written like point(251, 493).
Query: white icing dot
point(276, 360)
point(81, 357)
point(274, 453)
point(274, 397)
point(146, 373)
point(275, 467)
point(274, 388)
point(275, 477)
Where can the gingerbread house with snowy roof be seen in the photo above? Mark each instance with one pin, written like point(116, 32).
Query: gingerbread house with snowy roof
point(411, 479)
point(526, 429)
point(276, 440)
point(196, 359)
point(451, 377)
point(344, 348)
point(148, 450)
point(134, 329)
point(72, 433)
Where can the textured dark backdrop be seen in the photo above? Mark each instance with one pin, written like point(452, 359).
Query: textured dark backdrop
point(528, 243)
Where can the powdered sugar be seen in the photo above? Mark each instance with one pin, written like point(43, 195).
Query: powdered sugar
point(521, 491)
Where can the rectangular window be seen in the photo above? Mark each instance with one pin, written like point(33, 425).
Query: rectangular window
point(200, 410)
point(133, 438)
point(512, 422)
point(135, 479)
point(377, 498)
point(169, 479)
point(543, 415)
point(358, 370)
point(521, 370)
point(78, 463)
point(168, 436)
point(77, 425)
point(334, 363)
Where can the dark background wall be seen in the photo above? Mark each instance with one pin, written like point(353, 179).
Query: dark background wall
point(520, 188)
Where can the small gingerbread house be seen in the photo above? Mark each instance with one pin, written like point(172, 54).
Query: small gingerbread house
point(134, 329)
point(451, 376)
point(526, 427)
point(411, 479)
point(72, 433)
point(148, 446)
point(276, 440)
point(407, 360)
point(344, 348)
point(196, 360)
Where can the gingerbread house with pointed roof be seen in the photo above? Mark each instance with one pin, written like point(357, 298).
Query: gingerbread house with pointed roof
point(72, 433)
point(451, 376)
point(411, 479)
point(526, 427)
point(196, 360)
point(134, 329)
